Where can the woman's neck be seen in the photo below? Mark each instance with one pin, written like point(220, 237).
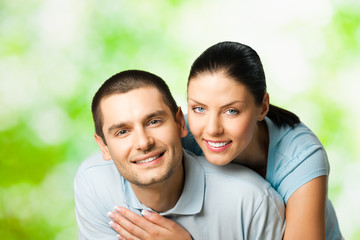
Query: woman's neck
point(256, 153)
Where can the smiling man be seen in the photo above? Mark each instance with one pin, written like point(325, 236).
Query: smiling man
point(138, 129)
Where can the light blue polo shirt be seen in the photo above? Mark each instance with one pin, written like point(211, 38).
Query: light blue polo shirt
point(218, 202)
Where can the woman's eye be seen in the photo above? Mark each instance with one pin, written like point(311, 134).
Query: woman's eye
point(232, 112)
point(198, 109)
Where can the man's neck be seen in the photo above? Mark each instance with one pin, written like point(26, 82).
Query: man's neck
point(162, 196)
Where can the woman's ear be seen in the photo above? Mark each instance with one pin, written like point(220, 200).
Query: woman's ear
point(180, 120)
point(104, 149)
point(264, 109)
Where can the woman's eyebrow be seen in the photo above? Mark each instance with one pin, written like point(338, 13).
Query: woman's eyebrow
point(225, 105)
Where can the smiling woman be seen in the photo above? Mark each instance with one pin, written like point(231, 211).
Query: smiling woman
point(233, 111)
point(270, 140)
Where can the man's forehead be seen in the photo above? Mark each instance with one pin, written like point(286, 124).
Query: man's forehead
point(135, 103)
point(148, 94)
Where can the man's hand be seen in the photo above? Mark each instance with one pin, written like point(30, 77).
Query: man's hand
point(131, 226)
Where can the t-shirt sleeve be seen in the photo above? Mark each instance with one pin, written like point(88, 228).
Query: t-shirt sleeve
point(297, 160)
point(92, 220)
point(312, 164)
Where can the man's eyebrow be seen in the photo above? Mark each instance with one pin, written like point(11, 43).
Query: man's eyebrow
point(123, 124)
point(116, 126)
point(156, 114)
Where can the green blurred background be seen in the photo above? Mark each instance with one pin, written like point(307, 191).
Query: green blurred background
point(54, 55)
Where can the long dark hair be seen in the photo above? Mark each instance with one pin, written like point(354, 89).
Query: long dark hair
point(241, 63)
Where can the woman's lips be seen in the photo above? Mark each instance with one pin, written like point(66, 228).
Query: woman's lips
point(217, 146)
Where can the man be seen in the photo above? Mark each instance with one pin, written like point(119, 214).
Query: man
point(138, 129)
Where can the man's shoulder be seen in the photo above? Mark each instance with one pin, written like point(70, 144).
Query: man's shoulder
point(95, 161)
point(235, 176)
point(237, 172)
point(237, 185)
point(97, 187)
point(96, 173)
point(233, 171)
point(95, 167)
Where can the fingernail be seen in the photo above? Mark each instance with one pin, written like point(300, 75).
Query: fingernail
point(117, 208)
point(111, 223)
point(145, 213)
point(110, 214)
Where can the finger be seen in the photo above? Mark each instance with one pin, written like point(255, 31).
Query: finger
point(158, 219)
point(165, 223)
point(122, 233)
point(125, 227)
point(137, 220)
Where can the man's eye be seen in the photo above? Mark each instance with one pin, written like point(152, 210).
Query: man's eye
point(198, 109)
point(154, 121)
point(121, 132)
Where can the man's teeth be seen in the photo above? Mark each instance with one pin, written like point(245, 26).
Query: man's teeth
point(148, 159)
point(218, 144)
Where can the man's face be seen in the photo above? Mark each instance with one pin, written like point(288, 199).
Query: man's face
point(143, 139)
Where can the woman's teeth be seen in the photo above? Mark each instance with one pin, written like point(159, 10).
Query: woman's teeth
point(218, 144)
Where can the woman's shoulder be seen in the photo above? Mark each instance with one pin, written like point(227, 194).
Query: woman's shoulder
point(295, 156)
point(292, 140)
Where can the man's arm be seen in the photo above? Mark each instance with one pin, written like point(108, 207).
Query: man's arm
point(91, 217)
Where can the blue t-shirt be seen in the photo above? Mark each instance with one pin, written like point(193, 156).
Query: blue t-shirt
point(295, 157)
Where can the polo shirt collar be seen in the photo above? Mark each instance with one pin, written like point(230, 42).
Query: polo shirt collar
point(192, 197)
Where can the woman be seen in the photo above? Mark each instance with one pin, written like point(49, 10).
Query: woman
point(231, 120)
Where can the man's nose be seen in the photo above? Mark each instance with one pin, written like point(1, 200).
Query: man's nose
point(143, 141)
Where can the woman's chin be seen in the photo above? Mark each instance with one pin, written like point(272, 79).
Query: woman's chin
point(217, 160)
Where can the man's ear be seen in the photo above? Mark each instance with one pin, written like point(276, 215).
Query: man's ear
point(180, 120)
point(264, 109)
point(104, 149)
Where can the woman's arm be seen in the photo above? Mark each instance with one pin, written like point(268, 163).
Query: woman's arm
point(305, 211)
point(130, 226)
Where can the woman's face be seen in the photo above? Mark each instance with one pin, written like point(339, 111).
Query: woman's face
point(222, 116)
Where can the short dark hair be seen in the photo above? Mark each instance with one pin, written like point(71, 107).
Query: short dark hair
point(124, 82)
point(242, 64)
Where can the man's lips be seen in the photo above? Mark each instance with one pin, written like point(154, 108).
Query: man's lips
point(148, 158)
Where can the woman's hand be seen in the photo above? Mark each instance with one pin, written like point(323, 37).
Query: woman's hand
point(131, 226)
